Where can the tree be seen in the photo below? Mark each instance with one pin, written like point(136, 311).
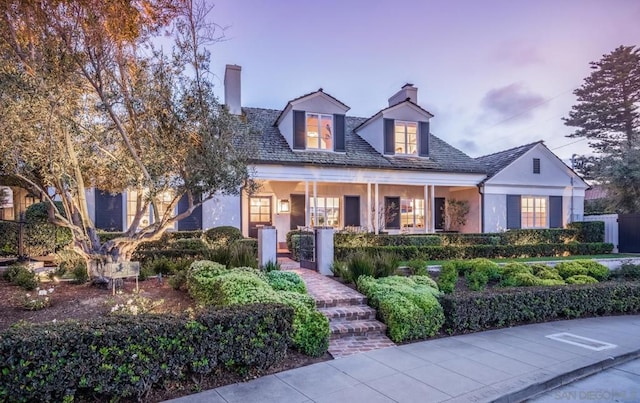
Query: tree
point(455, 215)
point(88, 101)
point(607, 115)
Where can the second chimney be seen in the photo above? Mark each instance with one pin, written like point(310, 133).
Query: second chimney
point(232, 89)
point(408, 91)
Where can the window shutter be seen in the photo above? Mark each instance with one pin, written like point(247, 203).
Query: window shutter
point(297, 211)
point(389, 136)
point(339, 135)
point(424, 139)
point(299, 132)
point(555, 211)
point(514, 212)
point(392, 206)
point(352, 211)
point(109, 211)
point(536, 165)
point(194, 221)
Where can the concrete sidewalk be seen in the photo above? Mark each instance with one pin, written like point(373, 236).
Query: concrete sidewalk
point(507, 365)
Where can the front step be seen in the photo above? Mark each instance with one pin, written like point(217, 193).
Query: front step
point(339, 314)
point(341, 301)
point(356, 328)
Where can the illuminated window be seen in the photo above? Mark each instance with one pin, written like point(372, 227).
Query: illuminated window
point(260, 209)
point(406, 139)
point(328, 209)
point(162, 204)
point(534, 212)
point(319, 131)
point(412, 213)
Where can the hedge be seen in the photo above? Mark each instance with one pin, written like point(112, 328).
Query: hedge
point(476, 251)
point(476, 311)
point(117, 357)
point(589, 231)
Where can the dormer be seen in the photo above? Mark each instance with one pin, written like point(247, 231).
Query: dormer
point(314, 122)
point(401, 129)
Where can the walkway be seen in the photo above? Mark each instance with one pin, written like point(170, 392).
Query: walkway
point(502, 365)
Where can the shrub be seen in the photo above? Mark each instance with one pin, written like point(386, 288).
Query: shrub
point(160, 265)
point(123, 357)
point(385, 264)
point(417, 266)
point(189, 244)
point(425, 280)
point(513, 268)
point(570, 268)
point(628, 271)
point(538, 267)
point(525, 280)
point(340, 269)
point(286, 281)
point(475, 311)
point(486, 266)
point(594, 269)
point(549, 274)
point(360, 264)
point(310, 328)
point(477, 280)
point(270, 266)
point(222, 236)
point(588, 231)
point(12, 272)
point(448, 277)
point(80, 273)
point(242, 255)
point(581, 279)
point(67, 260)
point(25, 278)
point(178, 280)
point(538, 236)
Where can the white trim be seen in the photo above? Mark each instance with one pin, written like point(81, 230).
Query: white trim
point(564, 338)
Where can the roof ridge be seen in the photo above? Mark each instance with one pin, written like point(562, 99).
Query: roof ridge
point(510, 149)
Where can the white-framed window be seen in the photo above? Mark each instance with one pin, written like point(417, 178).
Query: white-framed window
point(163, 203)
point(319, 131)
point(412, 213)
point(328, 209)
point(406, 137)
point(534, 212)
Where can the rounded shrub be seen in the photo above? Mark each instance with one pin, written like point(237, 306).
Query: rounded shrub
point(486, 266)
point(448, 277)
point(425, 280)
point(594, 269)
point(581, 279)
point(525, 280)
point(222, 236)
point(551, 282)
point(549, 274)
point(512, 268)
point(477, 280)
point(310, 328)
point(571, 268)
point(26, 279)
point(286, 281)
point(538, 267)
point(189, 244)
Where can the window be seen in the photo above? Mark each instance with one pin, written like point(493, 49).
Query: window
point(412, 213)
point(162, 201)
point(328, 209)
point(406, 138)
point(319, 131)
point(260, 209)
point(536, 165)
point(533, 212)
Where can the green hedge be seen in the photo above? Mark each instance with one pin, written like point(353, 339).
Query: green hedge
point(589, 231)
point(475, 311)
point(536, 236)
point(118, 357)
point(476, 251)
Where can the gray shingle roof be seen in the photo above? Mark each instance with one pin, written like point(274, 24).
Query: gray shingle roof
point(273, 148)
point(496, 162)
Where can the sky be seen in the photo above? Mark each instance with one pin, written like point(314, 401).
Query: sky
point(495, 73)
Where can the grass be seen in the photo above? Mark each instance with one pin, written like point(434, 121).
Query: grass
point(540, 259)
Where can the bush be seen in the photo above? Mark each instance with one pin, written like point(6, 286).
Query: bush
point(513, 268)
point(628, 271)
point(448, 277)
point(124, 357)
point(477, 280)
point(581, 279)
point(25, 278)
point(223, 236)
point(360, 264)
point(538, 236)
point(425, 280)
point(524, 280)
point(189, 244)
point(242, 255)
point(12, 272)
point(486, 266)
point(385, 264)
point(476, 311)
point(310, 328)
point(80, 273)
point(594, 269)
point(160, 265)
point(588, 231)
point(270, 266)
point(571, 268)
point(549, 274)
point(286, 281)
point(417, 266)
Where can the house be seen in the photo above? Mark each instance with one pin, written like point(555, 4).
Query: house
point(319, 166)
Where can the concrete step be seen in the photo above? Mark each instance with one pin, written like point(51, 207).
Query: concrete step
point(356, 328)
point(337, 301)
point(349, 313)
point(348, 345)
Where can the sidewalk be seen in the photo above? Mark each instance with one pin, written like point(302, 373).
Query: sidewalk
point(505, 365)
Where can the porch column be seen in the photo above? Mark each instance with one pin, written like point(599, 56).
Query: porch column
point(315, 202)
point(307, 213)
point(432, 201)
point(376, 214)
point(369, 225)
point(427, 210)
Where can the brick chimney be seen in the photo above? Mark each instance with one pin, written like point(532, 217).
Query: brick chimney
point(408, 91)
point(232, 89)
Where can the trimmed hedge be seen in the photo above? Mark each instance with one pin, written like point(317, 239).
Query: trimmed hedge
point(476, 311)
point(118, 357)
point(222, 236)
point(286, 281)
point(476, 251)
point(588, 231)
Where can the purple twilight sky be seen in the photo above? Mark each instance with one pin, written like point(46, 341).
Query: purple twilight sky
point(495, 73)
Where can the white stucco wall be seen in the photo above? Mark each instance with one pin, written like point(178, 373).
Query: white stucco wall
point(286, 128)
point(373, 133)
point(495, 212)
point(221, 210)
point(473, 217)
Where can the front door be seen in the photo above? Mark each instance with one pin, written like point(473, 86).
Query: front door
point(439, 209)
point(259, 214)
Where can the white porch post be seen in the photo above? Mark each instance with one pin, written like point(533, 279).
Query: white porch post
point(376, 214)
point(427, 209)
point(432, 201)
point(369, 225)
point(315, 202)
point(307, 214)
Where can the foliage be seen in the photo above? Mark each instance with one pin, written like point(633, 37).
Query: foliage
point(417, 266)
point(628, 271)
point(270, 266)
point(581, 279)
point(385, 264)
point(286, 281)
point(588, 231)
point(222, 236)
point(476, 311)
point(39, 300)
point(455, 214)
point(425, 280)
point(408, 308)
point(21, 276)
point(119, 357)
point(360, 264)
point(477, 280)
point(570, 268)
point(242, 255)
point(80, 274)
point(594, 269)
point(448, 277)
point(160, 265)
point(67, 260)
point(134, 304)
point(607, 115)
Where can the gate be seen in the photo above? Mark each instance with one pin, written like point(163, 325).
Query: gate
point(307, 249)
point(629, 233)
point(24, 239)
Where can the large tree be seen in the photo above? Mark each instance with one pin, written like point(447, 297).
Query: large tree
point(88, 99)
point(608, 115)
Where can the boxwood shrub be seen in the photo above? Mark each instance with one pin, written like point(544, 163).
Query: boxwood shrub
point(475, 311)
point(118, 357)
point(286, 281)
point(588, 231)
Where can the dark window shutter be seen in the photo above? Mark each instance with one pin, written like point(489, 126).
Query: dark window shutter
point(352, 211)
point(514, 212)
point(109, 212)
point(555, 211)
point(389, 136)
point(339, 135)
point(536, 165)
point(297, 211)
point(194, 220)
point(439, 209)
point(299, 130)
point(392, 207)
point(424, 139)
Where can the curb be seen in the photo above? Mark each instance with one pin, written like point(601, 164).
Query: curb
point(537, 388)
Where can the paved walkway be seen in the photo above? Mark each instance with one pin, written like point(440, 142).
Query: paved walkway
point(502, 365)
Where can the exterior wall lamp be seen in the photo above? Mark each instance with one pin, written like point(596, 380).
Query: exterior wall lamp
point(284, 206)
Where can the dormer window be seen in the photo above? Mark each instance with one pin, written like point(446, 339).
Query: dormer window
point(319, 131)
point(406, 137)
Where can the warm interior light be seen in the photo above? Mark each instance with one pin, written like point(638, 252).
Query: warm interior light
point(284, 206)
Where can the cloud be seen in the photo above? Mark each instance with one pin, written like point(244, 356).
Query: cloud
point(513, 102)
point(468, 146)
point(517, 53)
